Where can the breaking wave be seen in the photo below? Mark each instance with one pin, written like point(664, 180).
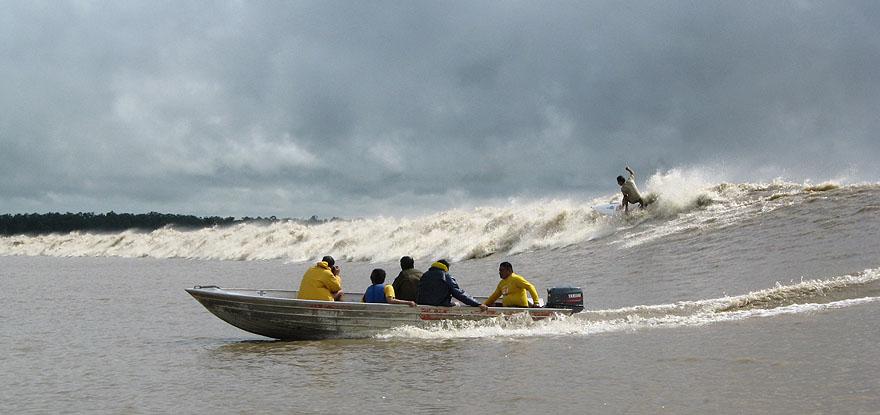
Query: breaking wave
point(685, 200)
point(803, 297)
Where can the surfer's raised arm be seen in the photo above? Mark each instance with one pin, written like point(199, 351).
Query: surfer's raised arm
point(629, 190)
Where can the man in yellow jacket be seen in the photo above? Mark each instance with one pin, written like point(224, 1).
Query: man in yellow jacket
point(514, 288)
point(321, 282)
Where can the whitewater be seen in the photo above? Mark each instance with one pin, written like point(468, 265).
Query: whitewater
point(804, 297)
point(721, 297)
point(686, 203)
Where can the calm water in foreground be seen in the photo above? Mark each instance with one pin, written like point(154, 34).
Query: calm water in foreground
point(121, 336)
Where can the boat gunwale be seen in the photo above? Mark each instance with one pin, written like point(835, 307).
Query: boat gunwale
point(224, 293)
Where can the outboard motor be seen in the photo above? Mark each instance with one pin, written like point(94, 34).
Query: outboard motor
point(565, 297)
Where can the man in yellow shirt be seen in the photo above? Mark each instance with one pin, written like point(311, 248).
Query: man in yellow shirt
point(514, 288)
point(321, 282)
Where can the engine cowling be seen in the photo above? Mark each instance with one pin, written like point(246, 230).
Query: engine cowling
point(565, 297)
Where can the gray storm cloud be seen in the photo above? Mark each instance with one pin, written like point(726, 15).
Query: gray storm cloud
point(361, 108)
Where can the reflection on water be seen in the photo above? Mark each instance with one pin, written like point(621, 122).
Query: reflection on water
point(374, 352)
point(330, 364)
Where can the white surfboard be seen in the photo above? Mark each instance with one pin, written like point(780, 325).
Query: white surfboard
point(608, 209)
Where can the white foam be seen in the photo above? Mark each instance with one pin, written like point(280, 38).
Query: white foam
point(575, 326)
point(681, 192)
point(780, 300)
point(457, 234)
point(519, 226)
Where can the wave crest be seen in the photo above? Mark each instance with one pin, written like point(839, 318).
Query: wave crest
point(685, 200)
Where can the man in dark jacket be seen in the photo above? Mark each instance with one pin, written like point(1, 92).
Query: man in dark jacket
point(406, 285)
point(437, 287)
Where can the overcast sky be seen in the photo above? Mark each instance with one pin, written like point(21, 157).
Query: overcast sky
point(359, 108)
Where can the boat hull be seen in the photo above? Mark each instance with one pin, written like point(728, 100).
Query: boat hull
point(279, 315)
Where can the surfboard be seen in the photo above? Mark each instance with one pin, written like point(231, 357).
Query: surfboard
point(608, 209)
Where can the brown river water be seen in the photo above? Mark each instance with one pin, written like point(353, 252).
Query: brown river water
point(764, 301)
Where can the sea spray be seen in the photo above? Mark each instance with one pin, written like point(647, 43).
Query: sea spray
point(679, 190)
point(459, 234)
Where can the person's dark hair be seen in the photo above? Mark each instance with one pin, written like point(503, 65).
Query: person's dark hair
point(407, 262)
point(444, 262)
point(329, 260)
point(377, 276)
point(506, 265)
point(620, 180)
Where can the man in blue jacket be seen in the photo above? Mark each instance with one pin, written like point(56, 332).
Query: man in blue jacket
point(437, 287)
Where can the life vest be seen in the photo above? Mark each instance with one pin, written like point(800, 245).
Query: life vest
point(375, 294)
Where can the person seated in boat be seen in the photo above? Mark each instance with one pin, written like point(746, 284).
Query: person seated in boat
point(630, 191)
point(321, 282)
point(406, 285)
point(514, 288)
point(437, 287)
point(380, 292)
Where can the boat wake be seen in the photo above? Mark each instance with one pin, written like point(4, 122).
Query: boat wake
point(796, 298)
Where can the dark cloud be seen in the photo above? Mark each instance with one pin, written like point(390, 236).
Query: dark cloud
point(341, 108)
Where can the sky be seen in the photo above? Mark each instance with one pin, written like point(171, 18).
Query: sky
point(352, 109)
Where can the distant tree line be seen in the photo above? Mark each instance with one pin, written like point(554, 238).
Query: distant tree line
point(45, 223)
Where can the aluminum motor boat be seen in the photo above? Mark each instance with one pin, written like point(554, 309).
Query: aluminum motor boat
point(280, 315)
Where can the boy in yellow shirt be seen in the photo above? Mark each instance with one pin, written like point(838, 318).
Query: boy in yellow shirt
point(514, 288)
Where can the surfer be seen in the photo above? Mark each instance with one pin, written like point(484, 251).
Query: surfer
point(630, 191)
